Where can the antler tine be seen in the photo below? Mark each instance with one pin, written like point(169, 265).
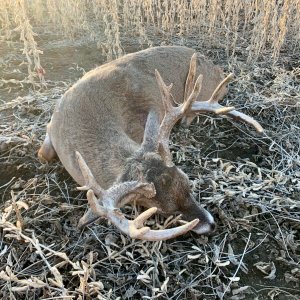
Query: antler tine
point(93, 213)
point(237, 115)
point(193, 96)
point(90, 182)
point(165, 91)
point(190, 81)
point(215, 95)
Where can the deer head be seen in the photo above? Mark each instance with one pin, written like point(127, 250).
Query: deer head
point(150, 178)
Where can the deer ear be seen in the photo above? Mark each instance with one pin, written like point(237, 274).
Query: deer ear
point(151, 133)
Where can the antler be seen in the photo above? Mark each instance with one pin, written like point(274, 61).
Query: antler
point(191, 107)
point(108, 201)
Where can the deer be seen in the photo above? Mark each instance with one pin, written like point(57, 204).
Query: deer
point(111, 132)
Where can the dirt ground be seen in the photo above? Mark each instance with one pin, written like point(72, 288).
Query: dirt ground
point(250, 183)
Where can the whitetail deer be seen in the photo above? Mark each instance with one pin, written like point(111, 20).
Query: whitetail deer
point(111, 132)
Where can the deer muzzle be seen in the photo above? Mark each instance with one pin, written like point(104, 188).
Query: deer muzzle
point(205, 227)
point(206, 223)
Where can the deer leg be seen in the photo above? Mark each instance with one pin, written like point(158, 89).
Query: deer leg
point(47, 151)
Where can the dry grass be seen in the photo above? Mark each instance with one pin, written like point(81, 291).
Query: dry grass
point(14, 16)
point(250, 184)
point(259, 27)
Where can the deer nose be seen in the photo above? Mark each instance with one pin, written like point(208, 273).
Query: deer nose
point(213, 226)
point(205, 228)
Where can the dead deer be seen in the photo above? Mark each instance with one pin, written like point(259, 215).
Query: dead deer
point(111, 132)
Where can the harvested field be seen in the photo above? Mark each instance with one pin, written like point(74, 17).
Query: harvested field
point(249, 182)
